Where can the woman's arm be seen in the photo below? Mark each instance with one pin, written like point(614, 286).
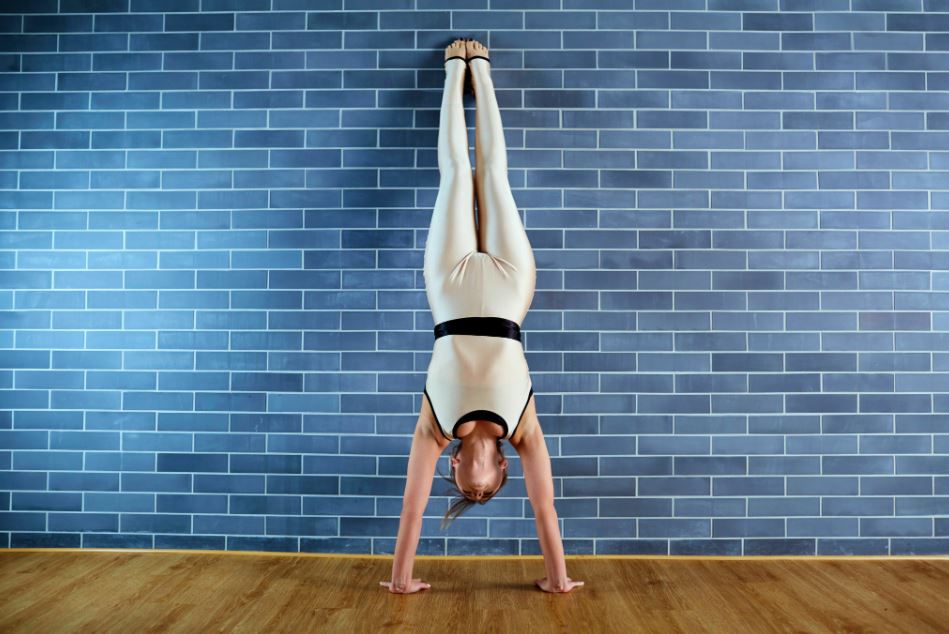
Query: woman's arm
point(418, 486)
point(538, 478)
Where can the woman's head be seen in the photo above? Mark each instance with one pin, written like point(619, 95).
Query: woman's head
point(477, 471)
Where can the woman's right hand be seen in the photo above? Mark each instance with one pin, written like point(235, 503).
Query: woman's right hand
point(414, 586)
point(545, 585)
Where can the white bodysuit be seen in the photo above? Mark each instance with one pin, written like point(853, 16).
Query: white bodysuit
point(479, 376)
point(479, 280)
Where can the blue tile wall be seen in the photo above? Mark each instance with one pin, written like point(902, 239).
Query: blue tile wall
point(213, 325)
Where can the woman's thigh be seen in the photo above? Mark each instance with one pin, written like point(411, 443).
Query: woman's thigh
point(452, 233)
point(501, 231)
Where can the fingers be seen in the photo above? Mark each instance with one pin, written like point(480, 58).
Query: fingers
point(570, 584)
point(417, 584)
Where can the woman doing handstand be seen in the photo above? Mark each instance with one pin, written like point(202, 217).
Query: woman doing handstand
point(480, 284)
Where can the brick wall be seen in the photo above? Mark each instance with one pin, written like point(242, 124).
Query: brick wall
point(213, 325)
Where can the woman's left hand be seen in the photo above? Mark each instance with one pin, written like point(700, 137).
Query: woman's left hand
point(566, 586)
point(413, 586)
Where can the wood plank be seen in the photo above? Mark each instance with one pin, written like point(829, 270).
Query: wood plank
point(62, 590)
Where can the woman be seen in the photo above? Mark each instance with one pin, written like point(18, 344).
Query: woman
point(478, 389)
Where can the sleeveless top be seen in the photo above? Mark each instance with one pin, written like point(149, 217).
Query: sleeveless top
point(478, 370)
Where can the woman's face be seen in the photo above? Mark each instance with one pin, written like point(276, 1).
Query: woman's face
point(478, 471)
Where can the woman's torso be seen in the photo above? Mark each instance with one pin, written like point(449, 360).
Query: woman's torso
point(474, 376)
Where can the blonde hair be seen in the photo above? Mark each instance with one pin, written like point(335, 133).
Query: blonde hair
point(462, 503)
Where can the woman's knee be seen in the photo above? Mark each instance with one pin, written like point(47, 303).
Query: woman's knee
point(454, 168)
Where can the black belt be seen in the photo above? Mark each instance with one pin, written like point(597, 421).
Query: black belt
point(484, 326)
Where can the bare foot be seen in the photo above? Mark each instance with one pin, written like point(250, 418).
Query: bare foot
point(474, 47)
point(456, 49)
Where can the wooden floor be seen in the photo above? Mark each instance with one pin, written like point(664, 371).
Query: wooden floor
point(48, 590)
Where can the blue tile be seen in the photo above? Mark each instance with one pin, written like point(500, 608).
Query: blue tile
point(920, 546)
point(853, 546)
point(895, 527)
point(747, 527)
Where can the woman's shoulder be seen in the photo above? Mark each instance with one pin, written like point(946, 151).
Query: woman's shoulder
point(429, 424)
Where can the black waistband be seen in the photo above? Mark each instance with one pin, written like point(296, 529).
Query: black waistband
point(484, 326)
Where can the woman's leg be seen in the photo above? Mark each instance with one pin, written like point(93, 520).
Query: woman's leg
point(452, 232)
point(501, 232)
